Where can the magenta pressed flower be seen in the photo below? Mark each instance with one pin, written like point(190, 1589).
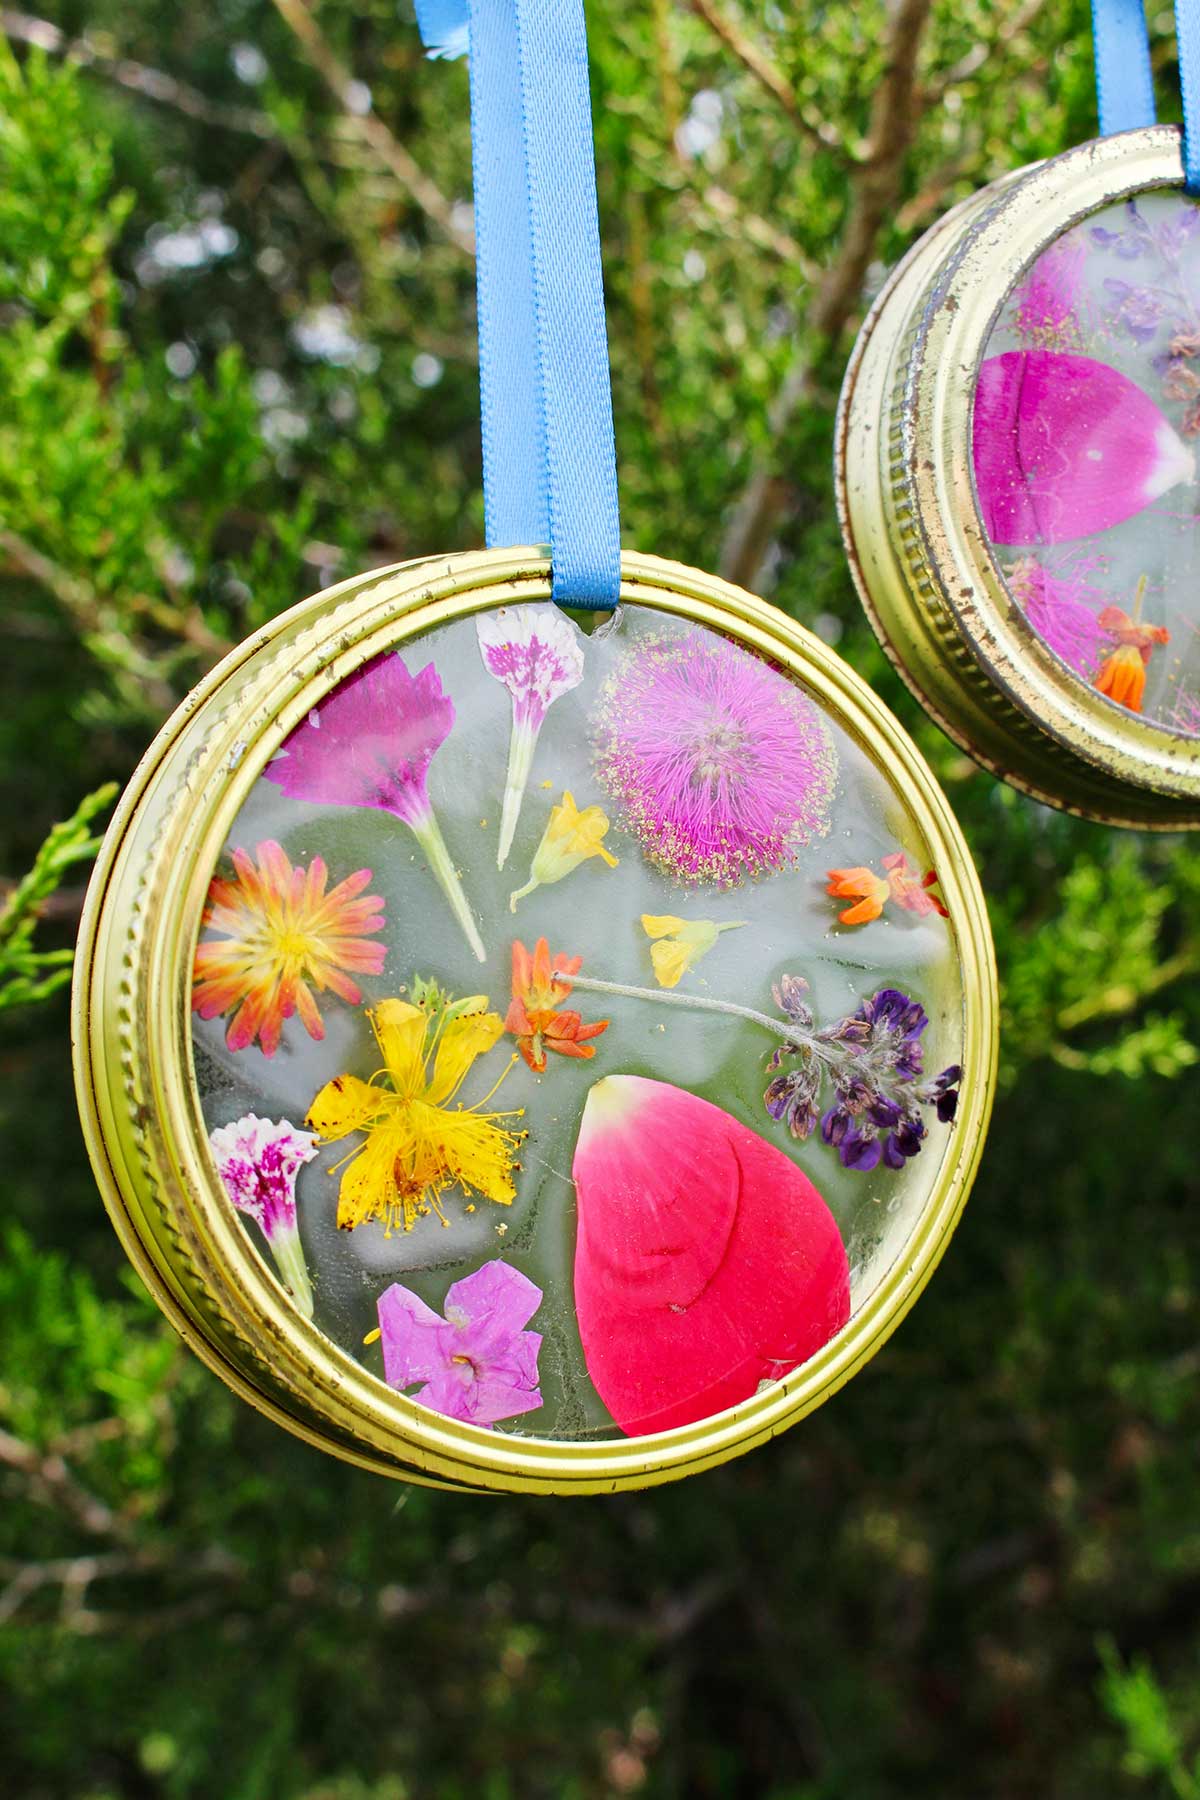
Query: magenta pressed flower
point(536, 652)
point(370, 743)
point(478, 1363)
point(724, 768)
point(258, 1162)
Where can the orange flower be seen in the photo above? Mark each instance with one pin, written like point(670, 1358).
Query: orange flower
point(1122, 676)
point(872, 892)
point(538, 984)
point(278, 931)
point(905, 889)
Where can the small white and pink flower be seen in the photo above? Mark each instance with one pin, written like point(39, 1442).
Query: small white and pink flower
point(538, 655)
point(259, 1162)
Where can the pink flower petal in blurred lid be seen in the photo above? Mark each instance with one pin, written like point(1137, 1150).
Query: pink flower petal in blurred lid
point(1065, 446)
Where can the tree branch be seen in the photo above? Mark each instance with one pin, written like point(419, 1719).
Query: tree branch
point(875, 184)
point(769, 77)
point(424, 192)
point(978, 55)
point(147, 83)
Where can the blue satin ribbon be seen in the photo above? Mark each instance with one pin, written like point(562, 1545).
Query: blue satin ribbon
point(1187, 34)
point(1124, 85)
point(549, 463)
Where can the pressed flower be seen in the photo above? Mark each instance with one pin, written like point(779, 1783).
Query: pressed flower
point(258, 1162)
point(276, 932)
point(570, 838)
point(418, 1145)
point(477, 1363)
point(706, 1262)
point(1122, 675)
point(871, 893)
point(680, 943)
point(534, 1018)
point(1065, 446)
point(537, 653)
point(1046, 299)
point(872, 1059)
point(370, 743)
point(874, 1062)
point(1063, 610)
point(723, 767)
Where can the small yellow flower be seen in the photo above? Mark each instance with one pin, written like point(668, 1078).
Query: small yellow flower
point(417, 1145)
point(680, 943)
point(570, 838)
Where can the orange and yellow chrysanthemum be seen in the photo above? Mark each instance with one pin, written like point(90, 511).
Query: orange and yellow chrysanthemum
point(277, 932)
point(417, 1144)
point(539, 985)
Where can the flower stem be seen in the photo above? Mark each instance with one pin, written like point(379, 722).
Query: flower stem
point(521, 746)
point(1138, 598)
point(288, 1252)
point(791, 1034)
point(428, 834)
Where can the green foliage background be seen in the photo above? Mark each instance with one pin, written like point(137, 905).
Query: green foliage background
point(236, 362)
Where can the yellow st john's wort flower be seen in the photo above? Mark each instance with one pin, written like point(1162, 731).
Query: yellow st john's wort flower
point(417, 1144)
point(570, 838)
point(680, 943)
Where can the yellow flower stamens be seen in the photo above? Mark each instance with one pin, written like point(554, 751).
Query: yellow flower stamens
point(418, 1146)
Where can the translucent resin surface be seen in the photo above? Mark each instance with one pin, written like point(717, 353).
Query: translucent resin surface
point(575, 1017)
point(1086, 419)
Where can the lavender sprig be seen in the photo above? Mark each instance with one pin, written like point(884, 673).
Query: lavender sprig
point(873, 1061)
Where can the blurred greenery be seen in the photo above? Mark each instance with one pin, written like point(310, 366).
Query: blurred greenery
point(237, 362)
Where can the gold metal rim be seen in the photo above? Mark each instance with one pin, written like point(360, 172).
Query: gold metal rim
point(929, 580)
point(137, 1092)
point(999, 250)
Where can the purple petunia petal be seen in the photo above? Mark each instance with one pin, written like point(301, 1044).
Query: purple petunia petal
point(412, 1334)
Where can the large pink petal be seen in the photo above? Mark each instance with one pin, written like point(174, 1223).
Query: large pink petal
point(1065, 446)
point(705, 1261)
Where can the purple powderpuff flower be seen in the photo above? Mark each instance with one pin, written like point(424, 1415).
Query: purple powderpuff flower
point(538, 654)
point(477, 1363)
point(1064, 611)
point(370, 743)
point(1046, 299)
point(258, 1162)
point(724, 768)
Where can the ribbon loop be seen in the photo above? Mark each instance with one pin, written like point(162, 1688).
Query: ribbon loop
point(1124, 85)
point(549, 463)
point(1187, 35)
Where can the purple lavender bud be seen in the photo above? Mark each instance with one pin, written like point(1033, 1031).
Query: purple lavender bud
point(778, 1097)
point(947, 1105)
point(909, 1135)
point(883, 1111)
point(861, 1152)
point(834, 1125)
point(789, 994)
